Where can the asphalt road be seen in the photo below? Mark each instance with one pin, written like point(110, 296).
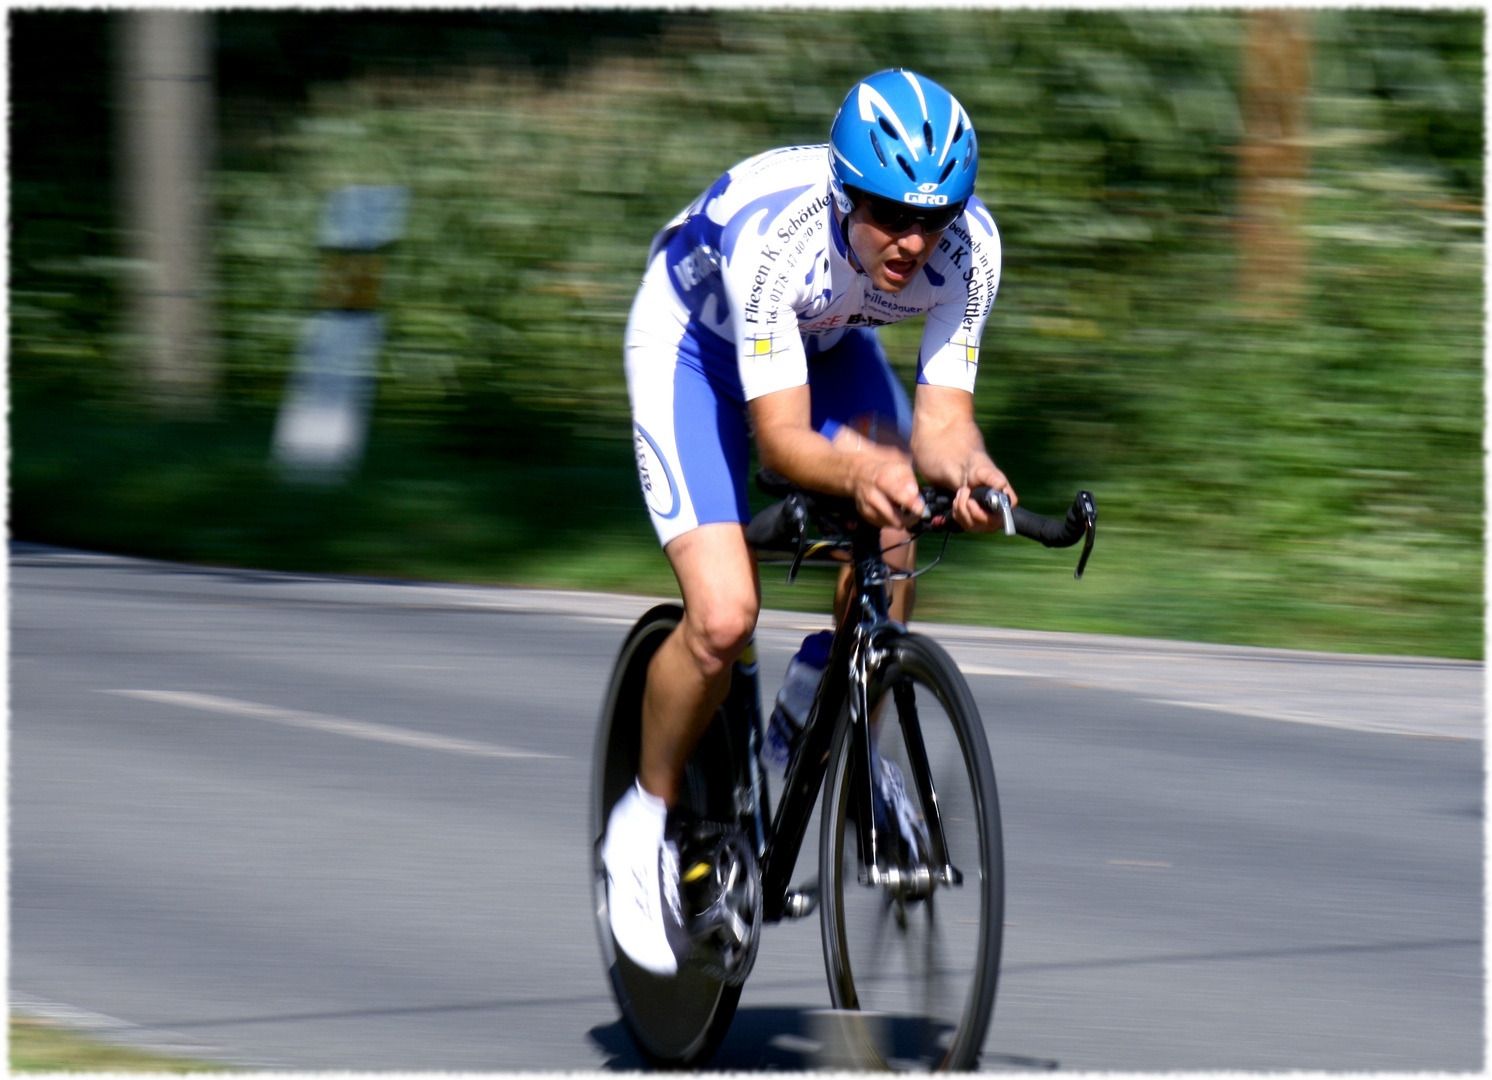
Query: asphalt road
point(314, 823)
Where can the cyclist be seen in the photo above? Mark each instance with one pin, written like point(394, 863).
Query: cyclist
point(756, 315)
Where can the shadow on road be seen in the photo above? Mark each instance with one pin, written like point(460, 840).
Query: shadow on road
point(758, 1039)
point(763, 1039)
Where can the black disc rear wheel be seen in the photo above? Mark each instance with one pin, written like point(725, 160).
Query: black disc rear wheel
point(676, 1022)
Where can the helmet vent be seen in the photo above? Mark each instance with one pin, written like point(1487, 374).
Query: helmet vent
point(948, 171)
point(958, 132)
point(927, 135)
point(905, 167)
point(888, 129)
point(876, 144)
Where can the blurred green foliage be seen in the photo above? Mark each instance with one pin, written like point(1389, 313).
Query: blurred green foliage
point(1312, 480)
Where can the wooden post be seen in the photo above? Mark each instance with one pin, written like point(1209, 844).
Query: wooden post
point(166, 97)
point(1273, 161)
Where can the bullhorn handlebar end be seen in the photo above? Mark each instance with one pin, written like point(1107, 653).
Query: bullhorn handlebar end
point(1081, 522)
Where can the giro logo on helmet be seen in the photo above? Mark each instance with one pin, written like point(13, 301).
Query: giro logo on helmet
point(927, 188)
point(920, 199)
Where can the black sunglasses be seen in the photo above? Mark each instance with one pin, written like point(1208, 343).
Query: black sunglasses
point(899, 217)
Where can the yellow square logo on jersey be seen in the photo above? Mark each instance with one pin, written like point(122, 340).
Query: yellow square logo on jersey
point(965, 347)
point(762, 346)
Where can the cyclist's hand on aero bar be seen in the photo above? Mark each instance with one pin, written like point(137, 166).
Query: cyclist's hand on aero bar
point(886, 488)
point(970, 516)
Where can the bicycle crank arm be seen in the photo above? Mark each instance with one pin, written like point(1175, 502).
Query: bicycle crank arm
point(719, 924)
point(724, 888)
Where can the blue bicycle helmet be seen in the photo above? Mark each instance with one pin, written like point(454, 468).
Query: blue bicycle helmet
point(903, 137)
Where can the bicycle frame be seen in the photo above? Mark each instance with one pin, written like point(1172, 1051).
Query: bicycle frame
point(728, 823)
point(859, 644)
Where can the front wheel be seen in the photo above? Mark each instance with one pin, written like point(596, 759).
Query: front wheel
point(914, 939)
point(676, 1022)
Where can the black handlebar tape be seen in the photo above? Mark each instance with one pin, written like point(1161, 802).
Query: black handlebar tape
point(777, 527)
point(1049, 531)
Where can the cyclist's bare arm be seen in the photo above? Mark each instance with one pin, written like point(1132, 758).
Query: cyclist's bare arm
point(949, 451)
point(878, 478)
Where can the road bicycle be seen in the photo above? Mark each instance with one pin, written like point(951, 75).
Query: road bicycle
point(910, 887)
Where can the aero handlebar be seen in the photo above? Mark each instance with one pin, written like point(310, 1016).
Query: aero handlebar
point(784, 526)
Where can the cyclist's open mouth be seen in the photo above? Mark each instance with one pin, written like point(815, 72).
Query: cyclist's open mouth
point(900, 270)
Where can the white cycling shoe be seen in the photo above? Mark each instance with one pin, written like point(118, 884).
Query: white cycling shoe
point(893, 792)
point(642, 884)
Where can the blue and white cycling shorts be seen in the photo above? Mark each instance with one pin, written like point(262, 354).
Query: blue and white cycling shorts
point(690, 425)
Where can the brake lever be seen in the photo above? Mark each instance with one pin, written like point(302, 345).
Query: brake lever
point(795, 510)
point(1089, 510)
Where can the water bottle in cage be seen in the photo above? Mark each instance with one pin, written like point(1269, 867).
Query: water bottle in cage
point(804, 672)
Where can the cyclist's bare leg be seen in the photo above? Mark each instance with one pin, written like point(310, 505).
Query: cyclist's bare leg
point(690, 673)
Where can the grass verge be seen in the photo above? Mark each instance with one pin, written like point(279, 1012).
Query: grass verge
point(204, 493)
point(38, 1046)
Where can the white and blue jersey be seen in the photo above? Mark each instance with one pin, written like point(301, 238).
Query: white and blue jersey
point(751, 290)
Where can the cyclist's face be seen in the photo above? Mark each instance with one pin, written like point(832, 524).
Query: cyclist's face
point(890, 259)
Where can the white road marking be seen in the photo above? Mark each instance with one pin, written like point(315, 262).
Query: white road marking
point(335, 725)
point(1383, 727)
point(985, 669)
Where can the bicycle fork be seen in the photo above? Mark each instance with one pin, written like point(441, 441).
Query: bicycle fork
point(932, 866)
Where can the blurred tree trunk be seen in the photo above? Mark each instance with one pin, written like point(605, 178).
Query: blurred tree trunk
point(1273, 161)
point(165, 149)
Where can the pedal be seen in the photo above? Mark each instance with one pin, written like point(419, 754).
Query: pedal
point(801, 902)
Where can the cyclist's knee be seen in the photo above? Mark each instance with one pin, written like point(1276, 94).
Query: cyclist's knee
point(898, 549)
point(717, 632)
